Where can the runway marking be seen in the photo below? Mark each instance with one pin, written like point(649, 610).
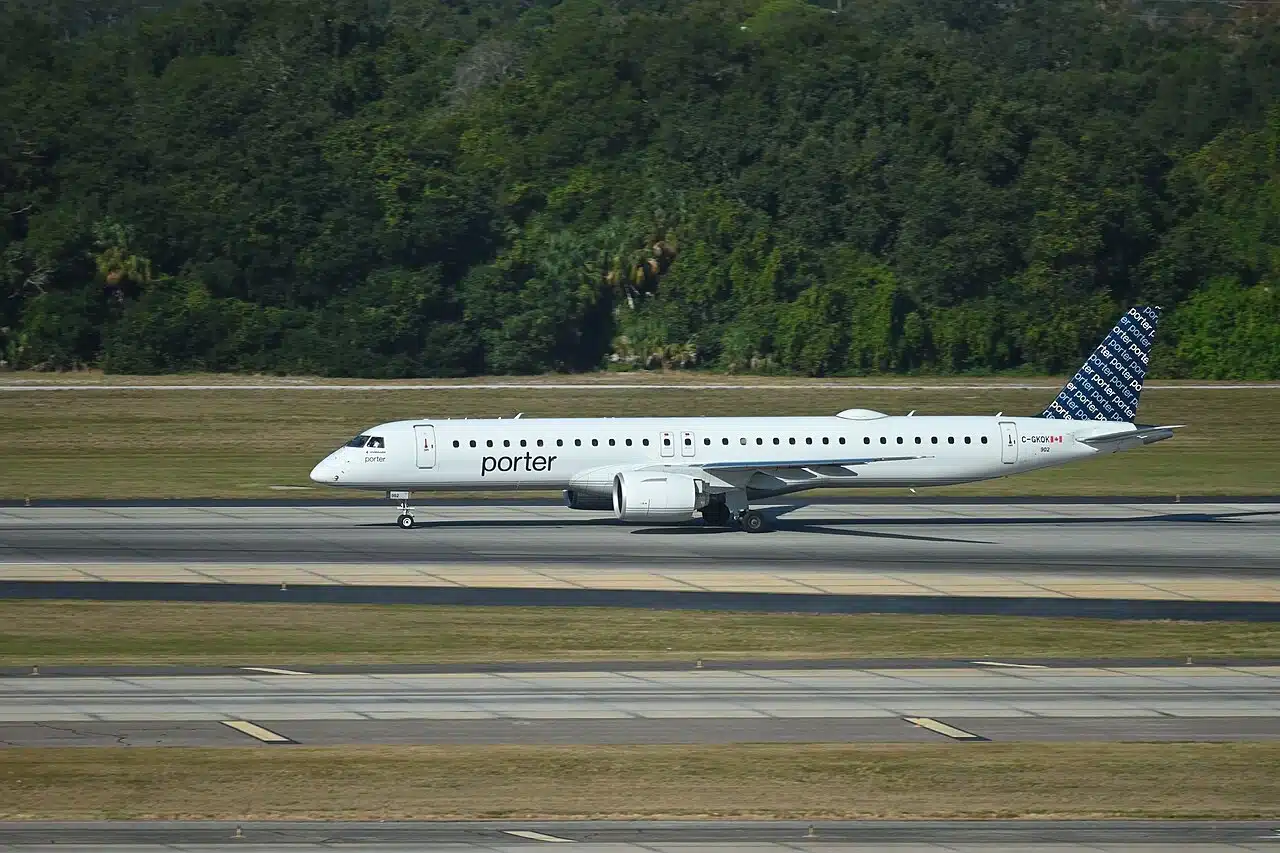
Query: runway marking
point(1009, 665)
point(255, 731)
point(942, 728)
point(274, 671)
point(537, 836)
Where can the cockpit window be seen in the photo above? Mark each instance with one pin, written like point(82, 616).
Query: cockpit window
point(358, 441)
point(375, 441)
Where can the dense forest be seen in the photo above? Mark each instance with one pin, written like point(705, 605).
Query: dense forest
point(448, 187)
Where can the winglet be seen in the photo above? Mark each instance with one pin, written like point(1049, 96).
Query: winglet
point(1109, 383)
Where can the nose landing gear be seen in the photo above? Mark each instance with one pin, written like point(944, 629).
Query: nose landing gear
point(405, 521)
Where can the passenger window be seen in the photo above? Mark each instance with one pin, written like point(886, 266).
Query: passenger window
point(612, 442)
point(984, 439)
point(917, 439)
point(899, 439)
point(666, 442)
point(523, 443)
point(866, 439)
point(455, 443)
point(577, 442)
point(539, 442)
point(826, 440)
point(842, 439)
point(506, 442)
point(645, 442)
point(777, 441)
point(725, 442)
point(759, 441)
point(489, 443)
point(951, 440)
point(376, 442)
point(595, 442)
point(707, 442)
point(968, 440)
point(628, 442)
point(559, 442)
point(808, 441)
point(934, 440)
point(884, 440)
point(742, 441)
point(791, 440)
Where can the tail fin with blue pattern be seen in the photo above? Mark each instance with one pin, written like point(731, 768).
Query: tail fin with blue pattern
point(1108, 385)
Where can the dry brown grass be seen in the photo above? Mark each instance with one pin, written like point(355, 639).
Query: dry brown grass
point(49, 632)
point(1239, 780)
point(162, 444)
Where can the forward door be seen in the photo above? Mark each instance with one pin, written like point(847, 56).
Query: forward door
point(1008, 442)
point(425, 436)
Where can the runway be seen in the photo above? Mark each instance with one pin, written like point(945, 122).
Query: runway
point(1126, 560)
point(779, 705)
point(654, 836)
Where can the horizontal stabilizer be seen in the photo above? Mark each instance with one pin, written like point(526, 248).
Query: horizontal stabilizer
point(1145, 434)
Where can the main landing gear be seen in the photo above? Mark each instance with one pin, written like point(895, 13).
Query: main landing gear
point(721, 514)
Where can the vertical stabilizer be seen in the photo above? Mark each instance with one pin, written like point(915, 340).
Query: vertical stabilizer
point(1107, 386)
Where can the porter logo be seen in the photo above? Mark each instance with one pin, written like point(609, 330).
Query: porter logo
point(528, 462)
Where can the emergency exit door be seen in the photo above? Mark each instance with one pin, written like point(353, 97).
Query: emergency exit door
point(687, 443)
point(426, 441)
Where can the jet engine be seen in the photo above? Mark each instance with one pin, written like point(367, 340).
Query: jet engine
point(655, 496)
point(577, 499)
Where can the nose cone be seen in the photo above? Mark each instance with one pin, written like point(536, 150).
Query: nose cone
point(326, 472)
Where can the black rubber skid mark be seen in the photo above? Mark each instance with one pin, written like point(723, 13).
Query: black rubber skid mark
point(757, 602)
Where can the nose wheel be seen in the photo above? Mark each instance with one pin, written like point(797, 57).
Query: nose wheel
point(405, 521)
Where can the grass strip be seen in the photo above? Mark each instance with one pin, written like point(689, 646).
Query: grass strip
point(162, 444)
point(51, 632)
point(973, 781)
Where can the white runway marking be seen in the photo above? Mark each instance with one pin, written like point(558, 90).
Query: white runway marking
point(537, 836)
point(274, 671)
point(1009, 665)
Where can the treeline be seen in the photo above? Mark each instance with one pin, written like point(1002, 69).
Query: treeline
point(427, 187)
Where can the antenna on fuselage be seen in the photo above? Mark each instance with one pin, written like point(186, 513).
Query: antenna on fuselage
point(518, 414)
point(910, 413)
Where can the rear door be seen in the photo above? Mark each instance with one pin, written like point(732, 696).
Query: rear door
point(425, 438)
point(1008, 442)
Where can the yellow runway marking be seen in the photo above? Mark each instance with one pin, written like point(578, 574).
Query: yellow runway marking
point(942, 728)
point(255, 731)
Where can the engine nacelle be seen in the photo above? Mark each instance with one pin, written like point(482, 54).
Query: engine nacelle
point(656, 496)
point(577, 499)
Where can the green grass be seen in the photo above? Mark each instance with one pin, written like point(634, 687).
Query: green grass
point(967, 781)
point(40, 632)
point(169, 444)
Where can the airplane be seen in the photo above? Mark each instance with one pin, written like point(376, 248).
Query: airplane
point(660, 470)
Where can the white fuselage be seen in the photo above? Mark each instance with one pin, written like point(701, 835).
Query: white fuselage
point(781, 454)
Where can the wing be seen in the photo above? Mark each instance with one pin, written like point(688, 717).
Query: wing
point(770, 466)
